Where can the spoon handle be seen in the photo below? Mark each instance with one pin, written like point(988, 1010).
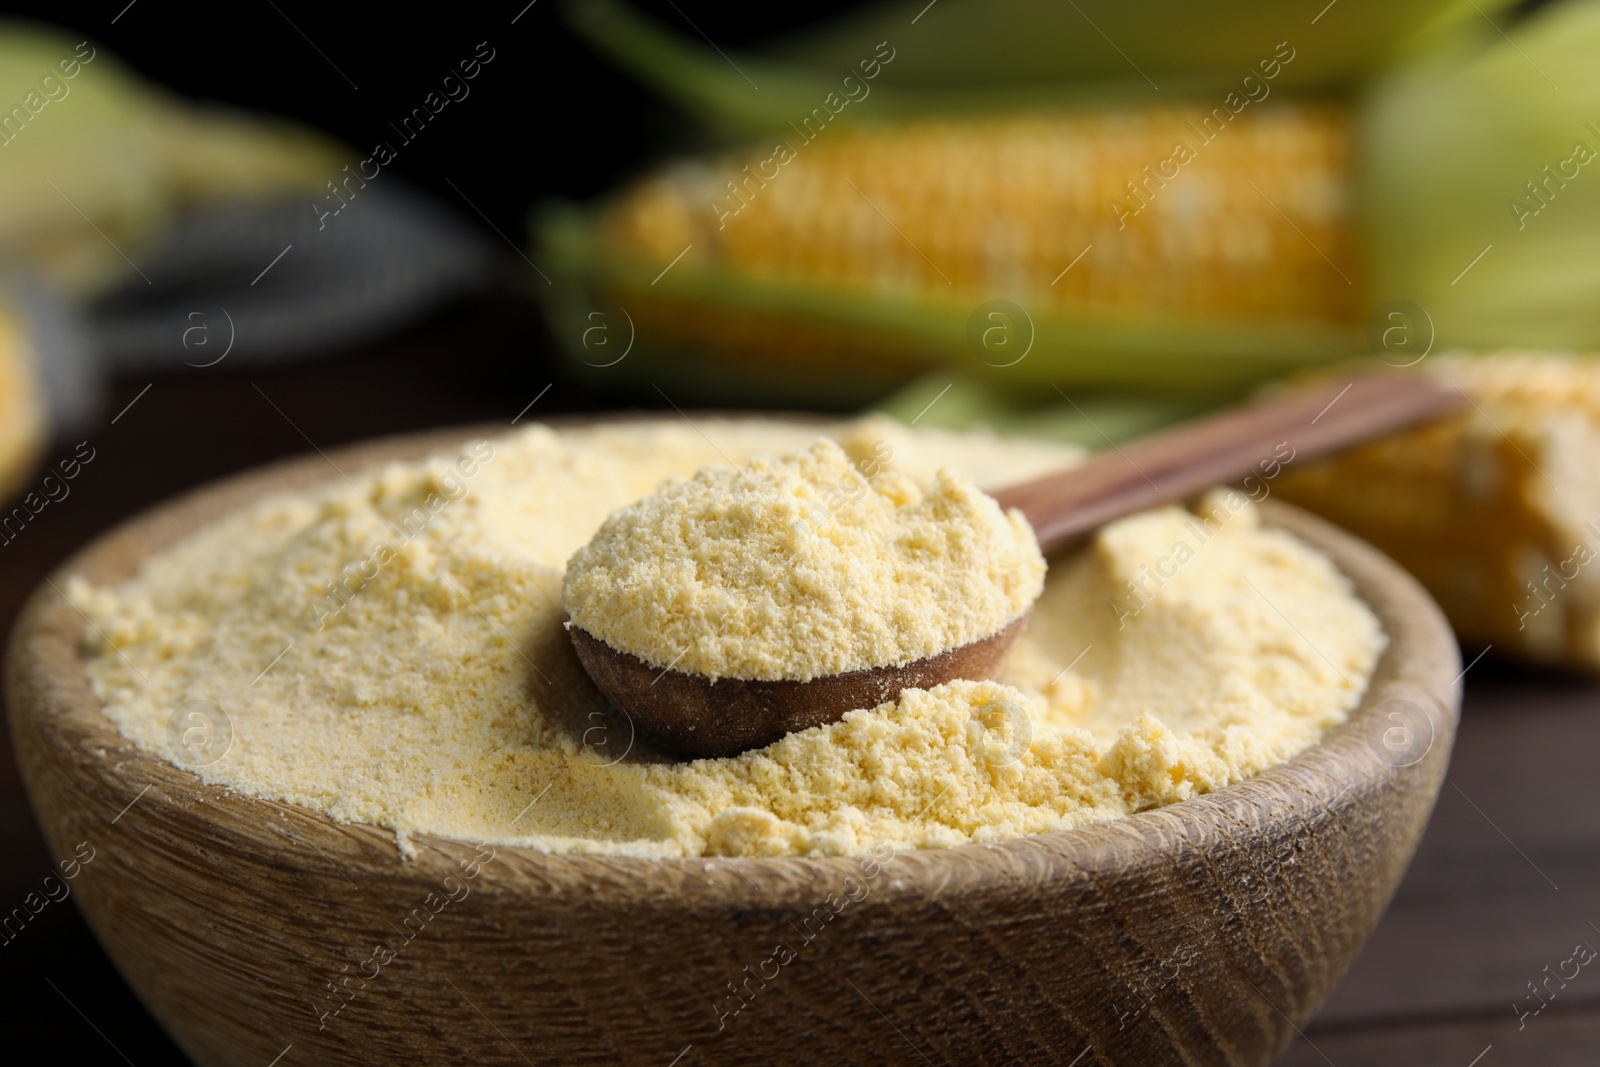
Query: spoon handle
point(1290, 426)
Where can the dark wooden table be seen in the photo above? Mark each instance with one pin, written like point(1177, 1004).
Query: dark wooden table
point(1507, 881)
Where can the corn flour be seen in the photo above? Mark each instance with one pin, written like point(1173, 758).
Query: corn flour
point(392, 653)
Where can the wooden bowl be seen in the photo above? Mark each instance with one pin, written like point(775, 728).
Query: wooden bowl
point(1205, 932)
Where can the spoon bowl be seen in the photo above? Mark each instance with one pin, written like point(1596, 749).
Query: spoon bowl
point(701, 718)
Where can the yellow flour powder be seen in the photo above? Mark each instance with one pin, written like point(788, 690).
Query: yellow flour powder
point(392, 653)
point(803, 566)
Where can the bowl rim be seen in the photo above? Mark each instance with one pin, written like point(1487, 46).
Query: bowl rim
point(51, 703)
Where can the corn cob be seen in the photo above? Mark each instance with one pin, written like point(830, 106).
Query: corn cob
point(1138, 242)
point(1496, 511)
point(968, 209)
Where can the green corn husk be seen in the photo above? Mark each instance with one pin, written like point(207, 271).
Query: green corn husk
point(1033, 43)
point(1451, 144)
point(987, 55)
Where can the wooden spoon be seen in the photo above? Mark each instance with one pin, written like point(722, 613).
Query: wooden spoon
point(701, 718)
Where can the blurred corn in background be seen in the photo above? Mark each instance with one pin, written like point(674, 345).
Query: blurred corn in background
point(85, 140)
point(1496, 511)
point(95, 165)
point(1481, 208)
point(1022, 212)
point(124, 208)
point(1135, 242)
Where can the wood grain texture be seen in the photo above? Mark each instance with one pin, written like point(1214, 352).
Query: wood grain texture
point(696, 717)
point(1201, 933)
point(1176, 464)
point(1565, 1037)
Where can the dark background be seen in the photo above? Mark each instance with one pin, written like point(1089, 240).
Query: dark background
point(1505, 882)
point(546, 118)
